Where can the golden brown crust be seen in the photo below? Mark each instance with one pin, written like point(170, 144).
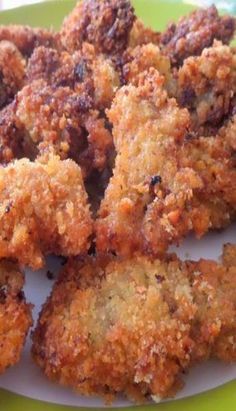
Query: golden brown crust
point(195, 32)
point(133, 326)
point(43, 210)
point(137, 60)
point(26, 38)
point(15, 314)
point(165, 182)
point(201, 86)
point(45, 117)
point(104, 23)
point(83, 71)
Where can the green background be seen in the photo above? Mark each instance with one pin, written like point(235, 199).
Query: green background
point(155, 13)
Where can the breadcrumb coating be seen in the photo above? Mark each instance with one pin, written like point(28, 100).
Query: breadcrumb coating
point(27, 38)
point(137, 60)
point(165, 182)
point(43, 209)
point(15, 314)
point(61, 118)
point(133, 326)
point(201, 86)
point(83, 71)
point(14, 141)
point(12, 72)
point(195, 32)
point(104, 23)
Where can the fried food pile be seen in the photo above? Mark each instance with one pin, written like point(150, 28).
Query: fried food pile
point(135, 325)
point(116, 142)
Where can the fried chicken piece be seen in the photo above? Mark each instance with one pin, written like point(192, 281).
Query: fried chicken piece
point(140, 34)
point(58, 117)
point(43, 209)
point(195, 32)
point(83, 71)
point(134, 326)
point(104, 23)
point(12, 72)
point(147, 128)
point(27, 38)
point(206, 85)
point(15, 314)
point(165, 182)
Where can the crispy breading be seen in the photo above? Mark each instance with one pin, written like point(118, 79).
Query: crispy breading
point(104, 23)
point(58, 117)
point(84, 71)
point(14, 141)
point(165, 182)
point(137, 60)
point(43, 209)
point(195, 32)
point(12, 72)
point(15, 314)
point(27, 38)
point(206, 85)
point(141, 34)
point(133, 326)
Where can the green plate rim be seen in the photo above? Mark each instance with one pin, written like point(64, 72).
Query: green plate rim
point(222, 398)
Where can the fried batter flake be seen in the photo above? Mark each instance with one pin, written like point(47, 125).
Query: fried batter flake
point(133, 326)
point(43, 209)
point(15, 314)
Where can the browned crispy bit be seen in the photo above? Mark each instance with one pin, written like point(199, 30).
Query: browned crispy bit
point(195, 32)
point(135, 325)
point(14, 139)
point(43, 209)
point(63, 119)
point(104, 23)
point(12, 72)
point(15, 314)
point(201, 86)
point(83, 71)
point(26, 38)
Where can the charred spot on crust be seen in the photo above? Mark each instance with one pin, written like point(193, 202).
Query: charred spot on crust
point(159, 278)
point(21, 296)
point(80, 71)
point(155, 180)
point(8, 207)
point(3, 294)
point(187, 97)
point(50, 275)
